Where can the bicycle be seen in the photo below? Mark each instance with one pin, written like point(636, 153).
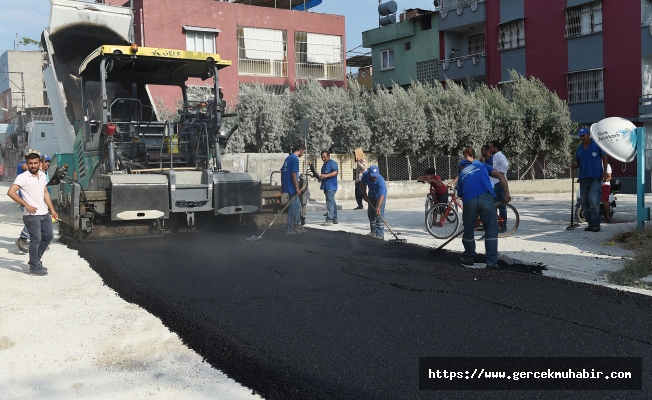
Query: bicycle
point(442, 220)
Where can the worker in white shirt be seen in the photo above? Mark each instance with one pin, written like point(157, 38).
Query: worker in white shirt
point(500, 164)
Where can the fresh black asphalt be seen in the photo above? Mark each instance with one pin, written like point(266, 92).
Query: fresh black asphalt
point(334, 315)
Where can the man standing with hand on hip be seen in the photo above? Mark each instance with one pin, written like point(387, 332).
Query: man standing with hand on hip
point(328, 179)
point(36, 202)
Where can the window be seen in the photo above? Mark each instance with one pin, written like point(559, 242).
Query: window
point(407, 46)
point(318, 56)
point(428, 71)
point(585, 86)
point(200, 40)
point(426, 22)
point(476, 44)
point(387, 59)
point(511, 35)
point(584, 19)
point(262, 52)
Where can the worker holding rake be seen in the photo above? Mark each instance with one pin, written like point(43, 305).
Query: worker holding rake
point(376, 198)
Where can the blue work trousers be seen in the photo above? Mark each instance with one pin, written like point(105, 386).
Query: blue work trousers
point(375, 222)
point(331, 206)
point(483, 206)
point(40, 236)
point(294, 213)
point(590, 192)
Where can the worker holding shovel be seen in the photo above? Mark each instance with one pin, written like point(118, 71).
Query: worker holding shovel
point(376, 198)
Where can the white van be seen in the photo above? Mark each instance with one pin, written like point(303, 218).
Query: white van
point(42, 136)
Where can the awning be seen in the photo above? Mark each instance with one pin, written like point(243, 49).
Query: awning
point(200, 29)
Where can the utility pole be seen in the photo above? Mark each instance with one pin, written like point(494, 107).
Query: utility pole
point(22, 92)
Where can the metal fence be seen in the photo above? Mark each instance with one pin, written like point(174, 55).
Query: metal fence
point(404, 168)
point(393, 167)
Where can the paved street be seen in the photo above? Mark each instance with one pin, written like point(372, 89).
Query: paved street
point(336, 315)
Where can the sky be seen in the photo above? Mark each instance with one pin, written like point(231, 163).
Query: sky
point(28, 18)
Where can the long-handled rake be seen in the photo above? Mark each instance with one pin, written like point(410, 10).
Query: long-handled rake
point(396, 238)
point(259, 237)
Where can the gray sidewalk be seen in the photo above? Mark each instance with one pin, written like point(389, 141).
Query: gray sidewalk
point(541, 238)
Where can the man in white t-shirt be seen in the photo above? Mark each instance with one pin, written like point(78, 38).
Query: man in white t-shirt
point(500, 164)
point(36, 202)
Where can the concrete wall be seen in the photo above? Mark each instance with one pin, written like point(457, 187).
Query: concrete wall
point(29, 63)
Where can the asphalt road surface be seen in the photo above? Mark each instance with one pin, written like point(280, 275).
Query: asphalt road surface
point(335, 315)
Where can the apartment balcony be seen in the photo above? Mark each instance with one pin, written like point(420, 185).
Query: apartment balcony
point(461, 67)
point(458, 13)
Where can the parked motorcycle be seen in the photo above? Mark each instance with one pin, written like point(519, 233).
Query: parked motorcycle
point(615, 187)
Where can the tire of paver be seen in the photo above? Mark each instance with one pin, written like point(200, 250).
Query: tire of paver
point(513, 220)
point(439, 225)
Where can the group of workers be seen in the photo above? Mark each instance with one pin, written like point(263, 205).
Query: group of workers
point(480, 183)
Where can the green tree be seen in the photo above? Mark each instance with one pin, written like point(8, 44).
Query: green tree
point(349, 105)
point(29, 42)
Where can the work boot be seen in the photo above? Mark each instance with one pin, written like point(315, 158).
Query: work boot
point(358, 208)
point(467, 261)
point(596, 228)
point(22, 244)
point(300, 229)
point(327, 223)
point(589, 228)
point(38, 271)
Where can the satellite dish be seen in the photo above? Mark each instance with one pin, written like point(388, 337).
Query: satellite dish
point(617, 137)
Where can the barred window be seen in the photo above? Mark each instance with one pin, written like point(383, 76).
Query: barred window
point(428, 71)
point(318, 56)
point(387, 59)
point(584, 86)
point(262, 52)
point(584, 19)
point(276, 90)
point(476, 44)
point(511, 34)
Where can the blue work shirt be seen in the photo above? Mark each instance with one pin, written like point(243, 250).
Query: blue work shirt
point(474, 180)
point(490, 160)
point(290, 165)
point(590, 160)
point(329, 183)
point(375, 189)
point(19, 168)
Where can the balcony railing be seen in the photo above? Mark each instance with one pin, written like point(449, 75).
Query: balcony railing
point(461, 60)
point(262, 67)
point(457, 6)
point(333, 72)
point(645, 105)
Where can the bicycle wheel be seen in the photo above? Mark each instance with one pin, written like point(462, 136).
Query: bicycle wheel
point(507, 226)
point(437, 221)
point(451, 217)
point(429, 203)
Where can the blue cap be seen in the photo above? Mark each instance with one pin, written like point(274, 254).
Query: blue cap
point(46, 157)
point(373, 171)
point(582, 132)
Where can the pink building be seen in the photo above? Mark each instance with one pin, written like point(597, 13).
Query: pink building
point(273, 46)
